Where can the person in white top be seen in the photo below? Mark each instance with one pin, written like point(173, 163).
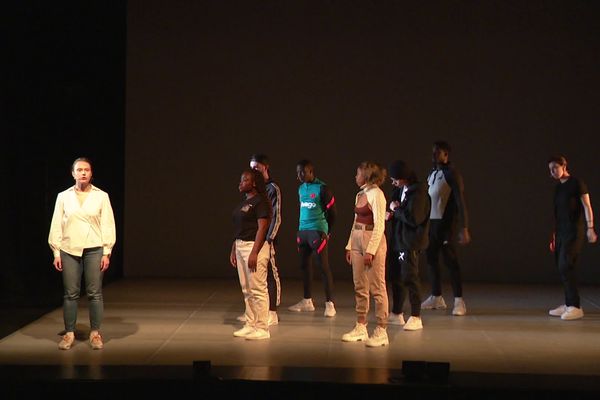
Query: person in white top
point(82, 235)
point(366, 252)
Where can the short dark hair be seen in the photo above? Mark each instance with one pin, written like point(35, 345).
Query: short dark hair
point(557, 158)
point(304, 163)
point(260, 158)
point(82, 159)
point(442, 145)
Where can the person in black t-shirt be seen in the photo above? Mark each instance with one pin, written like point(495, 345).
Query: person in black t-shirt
point(574, 222)
point(250, 253)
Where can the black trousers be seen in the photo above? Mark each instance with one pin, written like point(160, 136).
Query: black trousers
point(403, 273)
point(314, 243)
point(273, 282)
point(442, 243)
point(566, 254)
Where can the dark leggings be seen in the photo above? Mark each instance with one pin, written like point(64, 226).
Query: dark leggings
point(310, 242)
point(442, 243)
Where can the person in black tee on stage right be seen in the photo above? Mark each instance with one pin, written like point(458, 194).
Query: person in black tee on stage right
point(574, 222)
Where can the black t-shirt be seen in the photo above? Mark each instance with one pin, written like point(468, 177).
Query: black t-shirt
point(568, 210)
point(246, 215)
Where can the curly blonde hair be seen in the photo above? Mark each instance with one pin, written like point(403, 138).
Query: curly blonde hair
point(373, 172)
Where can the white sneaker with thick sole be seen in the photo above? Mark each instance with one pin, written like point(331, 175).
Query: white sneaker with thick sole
point(329, 309)
point(245, 331)
point(572, 313)
point(357, 334)
point(460, 308)
point(396, 319)
point(378, 338)
point(304, 305)
point(434, 303)
point(273, 318)
point(558, 311)
point(413, 324)
point(258, 334)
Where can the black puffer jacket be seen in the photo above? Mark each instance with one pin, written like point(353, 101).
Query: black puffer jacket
point(412, 219)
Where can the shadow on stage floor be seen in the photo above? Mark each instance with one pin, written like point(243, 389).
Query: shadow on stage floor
point(170, 337)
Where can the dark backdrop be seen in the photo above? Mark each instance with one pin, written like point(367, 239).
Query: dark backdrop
point(507, 83)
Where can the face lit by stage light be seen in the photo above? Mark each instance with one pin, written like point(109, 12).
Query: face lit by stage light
point(439, 156)
point(82, 172)
point(557, 171)
point(260, 167)
point(246, 183)
point(305, 173)
point(360, 177)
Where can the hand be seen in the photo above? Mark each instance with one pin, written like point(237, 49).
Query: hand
point(464, 237)
point(388, 215)
point(591, 236)
point(57, 263)
point(252, 261)
point(394, 204)
point(104, 263)
point(368, 260)
point(552, 245)
point(349, 257)
point(233, 258)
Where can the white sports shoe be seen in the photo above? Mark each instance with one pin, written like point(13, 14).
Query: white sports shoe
point(329, 309)
point(245, 331)
point(258, 334)
point(572, 313)
point(378, 338)
point(434, 303)
point(303, 305)
point(396, 319)
point(357, 334)
point(459, 307)
point(413, 324)
point(558, 311)
point(273, 318)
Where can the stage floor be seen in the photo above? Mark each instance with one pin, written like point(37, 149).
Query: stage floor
point(170, 323)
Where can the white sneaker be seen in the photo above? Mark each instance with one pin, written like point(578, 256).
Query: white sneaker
point(329, 309)
point(258, 334)
point(434, 303)
point(245, 331)
point(273, 318)
point(378, 338)
point(572, 313)
point(396, 319)
point(413, 324)
point(357, 334)
point(303, 305)
point(558, 311)
point(459, 307)
point(241, 318)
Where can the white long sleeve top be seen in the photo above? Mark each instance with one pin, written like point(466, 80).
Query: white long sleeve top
point(376, 199)
point(76, 226)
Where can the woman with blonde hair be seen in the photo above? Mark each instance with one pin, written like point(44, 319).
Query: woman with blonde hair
point(366, 253)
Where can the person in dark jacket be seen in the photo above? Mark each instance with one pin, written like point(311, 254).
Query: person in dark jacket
point(411, 234)
point(449, 225)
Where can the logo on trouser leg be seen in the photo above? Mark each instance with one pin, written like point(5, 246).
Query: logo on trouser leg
point(401, 256)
